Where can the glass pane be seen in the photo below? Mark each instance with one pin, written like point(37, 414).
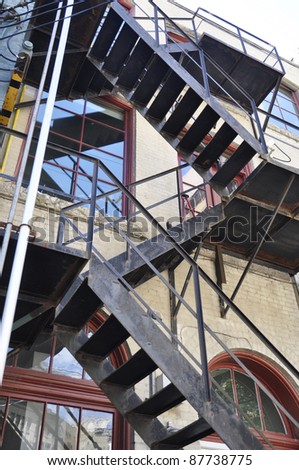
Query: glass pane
point(23, 425)
point(247, 399)
point(61, 428)
point(65, 364)
point(96, 430)
point(223, 378)
point(272, 417)
point(38, 357)
point(2, 411)
point(100, 112)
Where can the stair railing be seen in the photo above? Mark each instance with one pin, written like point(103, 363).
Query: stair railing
point(173, 26)
point(197, 313)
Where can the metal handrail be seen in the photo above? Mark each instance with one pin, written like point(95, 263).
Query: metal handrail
point(204, 57)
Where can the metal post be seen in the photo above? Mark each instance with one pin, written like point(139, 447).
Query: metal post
point(22, 243)
point(186, 283)
point(258, 246)
point(204, 71)
point(92, 210)
point(201, 335)
point(28, 142)
point(156, 25)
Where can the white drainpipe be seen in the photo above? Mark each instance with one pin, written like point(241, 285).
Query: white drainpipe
point(9, 223)
point(22, 243)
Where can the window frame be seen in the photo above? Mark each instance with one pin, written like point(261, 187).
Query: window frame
point(279, 384)
point(46, 388)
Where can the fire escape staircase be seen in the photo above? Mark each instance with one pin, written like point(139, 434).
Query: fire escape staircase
point(168, 85)
point(106, 285)
point(167, 88)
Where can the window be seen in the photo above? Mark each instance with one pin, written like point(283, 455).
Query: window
point(286, 108)
point(256, 407)
point(253, 402)
point(98, 129)
point(56, 406)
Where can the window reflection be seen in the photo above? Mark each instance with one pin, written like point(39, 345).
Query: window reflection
point(23, 425)
point(95, 129)
point(65, 364)
point(96, 430)
point(61, 428)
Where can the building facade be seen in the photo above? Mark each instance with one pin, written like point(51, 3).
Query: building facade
point(158, 300)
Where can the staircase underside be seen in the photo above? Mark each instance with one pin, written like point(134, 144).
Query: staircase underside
point(49, 270)
point(88, 12)
point(255, 77)
point(80, 77)
point(250, 208)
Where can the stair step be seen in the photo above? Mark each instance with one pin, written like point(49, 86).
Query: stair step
point(151, 80)
point(134, 370)
point(197, 132)
point(169, 92)
point(182, 113)
point(81, 306)
point(106, 35)
point(191, 433)
point(120, 50)
point(135, 65)
point(162, 401)
point(215, 147)
point(110, 335)
point(234, 164)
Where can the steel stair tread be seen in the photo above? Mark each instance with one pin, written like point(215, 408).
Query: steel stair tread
point(81, 306)
point(193, 432)
point(182, 113)
point(110, 335)
point(216, 147)
point(151, 80)
point(199, 129)
point(162, 401)
point(106, 35)
point(139, 366)
point(170, 90)
point(234, 164)
point(135, 65)
point(120, 50)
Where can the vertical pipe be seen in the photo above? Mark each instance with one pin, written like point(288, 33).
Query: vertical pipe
point(201, 335)
point(21, 171)
point(92, 208)
point(21, 248)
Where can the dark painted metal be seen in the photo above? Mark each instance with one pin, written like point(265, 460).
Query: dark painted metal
point(110, 335)
point(139, 366)
point(162, 401)
point(146, 333)
point(193, 432)
point(79, 304)
point(262, 238)
point(150, 429)
point(201, 337)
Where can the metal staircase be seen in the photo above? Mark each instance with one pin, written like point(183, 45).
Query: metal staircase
point(177, 88)
point(128, 319)
point(174, 87)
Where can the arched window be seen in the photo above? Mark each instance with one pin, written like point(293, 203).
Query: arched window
point(48, 402)
point(254, 403)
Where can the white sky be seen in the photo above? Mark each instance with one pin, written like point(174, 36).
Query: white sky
point(275, 21)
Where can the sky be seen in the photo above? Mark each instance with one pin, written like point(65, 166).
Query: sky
point(275, 21)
